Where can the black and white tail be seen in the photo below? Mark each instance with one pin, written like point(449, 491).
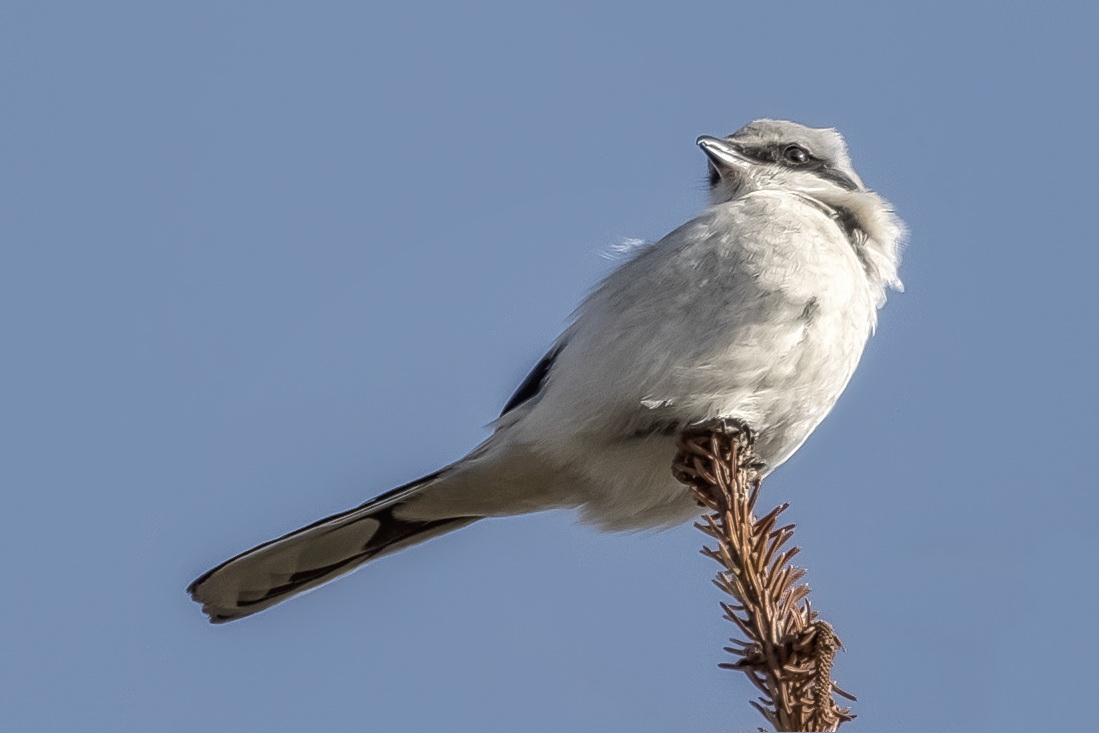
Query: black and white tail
point(313, 555)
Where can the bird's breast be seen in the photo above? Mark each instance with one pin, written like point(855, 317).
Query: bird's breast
point(758, 309)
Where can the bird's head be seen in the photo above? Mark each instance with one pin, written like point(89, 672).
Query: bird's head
point(777, 155)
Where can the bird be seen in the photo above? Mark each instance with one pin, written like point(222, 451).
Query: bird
point(756, 310)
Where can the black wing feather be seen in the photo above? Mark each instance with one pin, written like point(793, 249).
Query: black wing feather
point(534, 382)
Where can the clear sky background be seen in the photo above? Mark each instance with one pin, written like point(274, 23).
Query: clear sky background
point(260, 261)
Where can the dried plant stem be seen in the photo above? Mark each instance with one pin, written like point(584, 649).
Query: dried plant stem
point(786, 651)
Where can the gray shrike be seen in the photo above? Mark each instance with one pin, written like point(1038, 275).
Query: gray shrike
point(757, 309)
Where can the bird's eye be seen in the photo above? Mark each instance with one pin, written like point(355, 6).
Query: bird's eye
point(795, 154)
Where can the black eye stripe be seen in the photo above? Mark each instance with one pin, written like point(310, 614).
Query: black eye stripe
point(773, 153)
point(816, 165)
point(768, 154)
point(837, 177)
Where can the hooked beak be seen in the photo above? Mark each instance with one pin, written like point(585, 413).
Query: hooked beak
point(723, 154)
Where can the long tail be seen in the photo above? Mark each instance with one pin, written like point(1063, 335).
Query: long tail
point(313, 555)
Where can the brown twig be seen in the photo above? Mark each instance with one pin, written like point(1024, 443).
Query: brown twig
point(786, 651)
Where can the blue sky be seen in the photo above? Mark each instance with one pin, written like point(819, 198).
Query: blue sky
point(261, 261)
